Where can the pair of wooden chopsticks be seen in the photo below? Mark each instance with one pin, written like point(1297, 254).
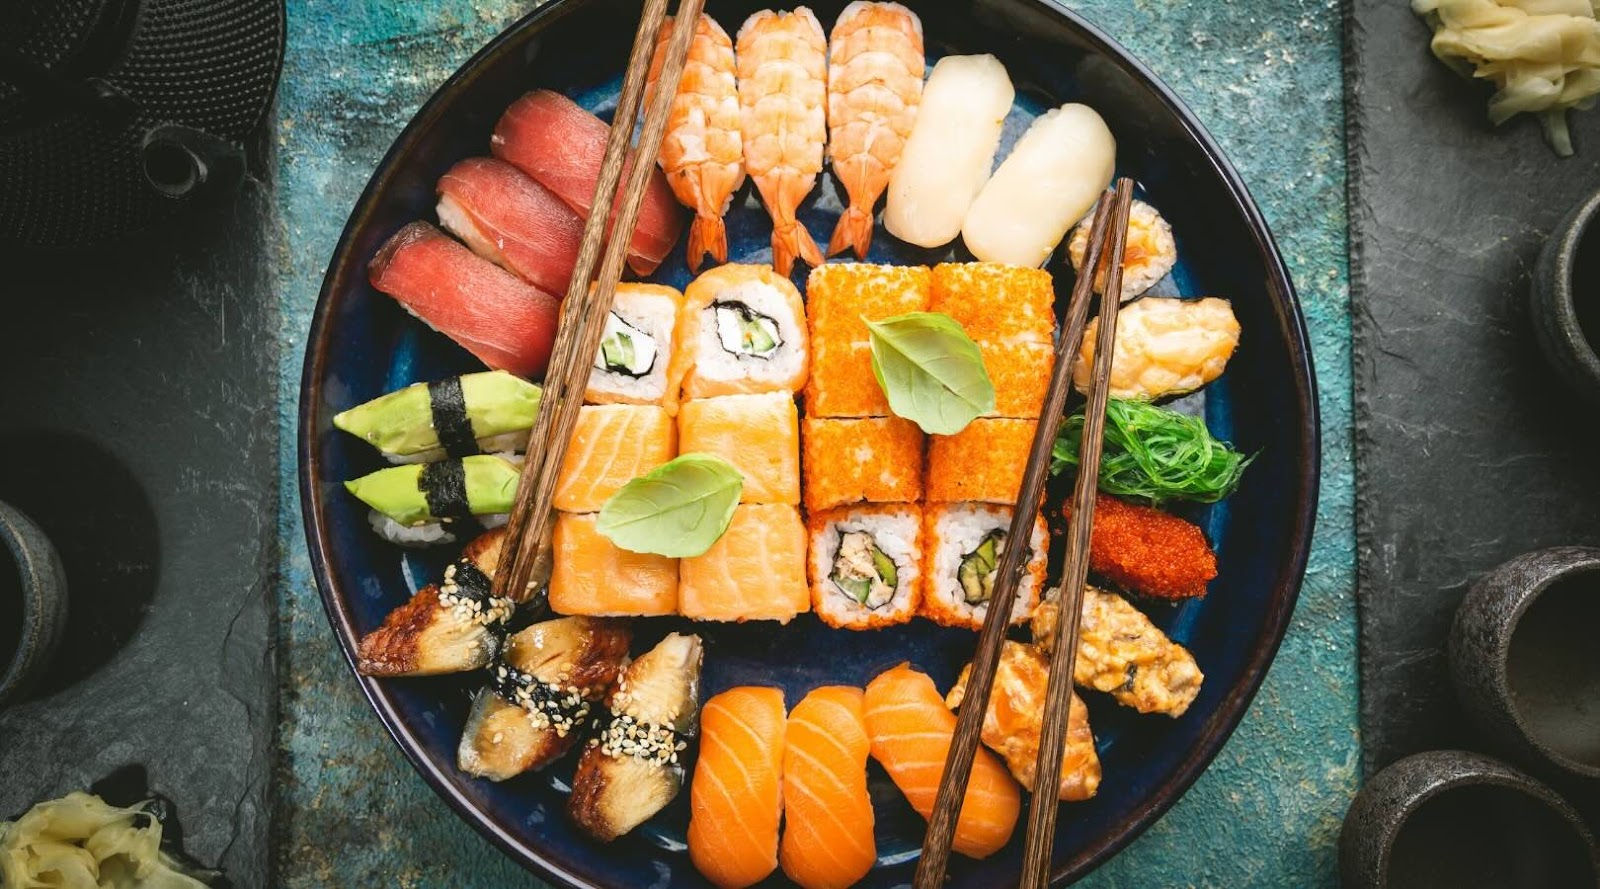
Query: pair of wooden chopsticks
point(1110, 224)
point(525, 560)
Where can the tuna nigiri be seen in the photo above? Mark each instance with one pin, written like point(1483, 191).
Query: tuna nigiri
point(736, 798)
point(911, 730)
point(549, 137)
point(827, 837)
point(512, 221)
point(507, 323)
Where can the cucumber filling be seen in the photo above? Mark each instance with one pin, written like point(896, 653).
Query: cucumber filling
point(864, 572)
point(625, 349)
point(744, 331)
point(977, 571)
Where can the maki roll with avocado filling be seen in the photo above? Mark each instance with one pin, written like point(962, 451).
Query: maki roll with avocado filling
point(636, 347)
point(478, 413)
point(625, 349)
point(430, 503)
point(964, 544)
point(866, 564)
point(976, 573)
point(744, 331)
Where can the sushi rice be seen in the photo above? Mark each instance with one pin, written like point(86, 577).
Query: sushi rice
point(954, 532)
point(630, 366)
point(896, 531)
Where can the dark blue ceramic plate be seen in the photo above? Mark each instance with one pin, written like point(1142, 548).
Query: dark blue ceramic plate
point(362, 345)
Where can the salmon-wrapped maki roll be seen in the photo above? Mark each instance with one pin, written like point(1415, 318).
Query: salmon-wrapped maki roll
point(962, 549)
point(982, 462)
point(873, 460)
point(540, 695)
point(866, 565)
point(636, 347)
point(743, 329)
point(613, 444)
point(593, 576)
point(758, 434)
point(755, 571)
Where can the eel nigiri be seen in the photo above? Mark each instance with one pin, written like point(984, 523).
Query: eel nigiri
point(911, 731)
point(549, 137)
point(477, 413)
point(549, 677)
point(506, 322)
point(827, 838)
point(702, 150)
point(444, 628)
point(951, 149)
point(420, 504)
point(875, 64)
point(630, 769)
point(1054, 174)
point(512, 221)
point(1015, 718)
point(736, 798)
point(783, 85)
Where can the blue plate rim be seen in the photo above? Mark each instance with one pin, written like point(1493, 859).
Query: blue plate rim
point(1221, 723)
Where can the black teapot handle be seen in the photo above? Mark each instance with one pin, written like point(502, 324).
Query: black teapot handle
point(186, 163)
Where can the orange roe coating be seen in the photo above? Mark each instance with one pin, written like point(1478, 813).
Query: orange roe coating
point(842, 383)
point(994, 302)
point(1021, 376)
point(1147, 551)
point(876, 460)
point(840, 294)
point(982, 462)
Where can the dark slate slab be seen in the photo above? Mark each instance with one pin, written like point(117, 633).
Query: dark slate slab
point(1468, 450)
point(137, 426)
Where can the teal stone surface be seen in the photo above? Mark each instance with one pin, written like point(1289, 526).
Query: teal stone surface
point(1265, 78)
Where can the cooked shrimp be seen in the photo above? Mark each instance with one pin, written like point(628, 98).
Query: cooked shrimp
point(782, 61)
point(702, 152)
point(875, 67)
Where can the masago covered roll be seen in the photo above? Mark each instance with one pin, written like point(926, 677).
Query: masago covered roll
point(866, 564)
point(962, 550)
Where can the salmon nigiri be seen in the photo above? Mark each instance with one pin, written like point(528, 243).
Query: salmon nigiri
point(911, 731)
point(552, 139)
point(507, 323)
point(737, 795)
point(827, 838)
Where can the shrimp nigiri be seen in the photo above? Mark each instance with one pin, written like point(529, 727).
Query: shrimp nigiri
point(702, 152)
point(782, 61)
point(875, 67)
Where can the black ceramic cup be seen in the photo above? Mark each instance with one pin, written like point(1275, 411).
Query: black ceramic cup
point(33, 603)
point(1525, 662)
point(1565, 299)
point(1449, 819)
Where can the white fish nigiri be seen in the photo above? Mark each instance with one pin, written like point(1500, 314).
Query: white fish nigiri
point(1055, 173)
point(951, 149)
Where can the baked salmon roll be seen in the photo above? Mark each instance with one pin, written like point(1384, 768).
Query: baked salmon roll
point(742, 329)
point(636, 347)
point(961, 552)
point(866, 565)
point(983, 462)
point(840, 298)
point(595, 577)
point(755, 571)
point(873, 460)
point(758, 434)
point(1151, 251)
point(612, 445)
point(997, 303)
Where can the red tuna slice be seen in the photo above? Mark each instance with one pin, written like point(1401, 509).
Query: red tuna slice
point(512, 221)
point(552, 139)
point(506, 322)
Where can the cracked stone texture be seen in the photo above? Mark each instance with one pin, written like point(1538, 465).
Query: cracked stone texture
point(1263, 75)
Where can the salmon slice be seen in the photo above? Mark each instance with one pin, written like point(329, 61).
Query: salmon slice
point(612, 445)
point(758, 434)
point(736, 798)
point(911, 730)
point(507, 323)
point(755, 571)
point(512, 221)
point(827, 839)
point(549, 137)
point(593, 576)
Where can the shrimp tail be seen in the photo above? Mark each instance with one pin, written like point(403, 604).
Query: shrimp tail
point(790, 241)
point(854, 230)
point(708, 235)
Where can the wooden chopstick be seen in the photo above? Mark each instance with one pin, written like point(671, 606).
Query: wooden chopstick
point(1042, 810)
point(969, 724)
point(525, 557)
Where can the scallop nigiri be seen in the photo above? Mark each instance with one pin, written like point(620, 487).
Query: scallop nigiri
point(783, 70)
point(702, 151)
point(736, 798)
point(1054, 174)
point(875, 64)
point(827, 838)
point(951, 149)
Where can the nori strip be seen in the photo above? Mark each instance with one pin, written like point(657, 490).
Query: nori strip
point(444, 486)
point(448, 405)
point(471, 583)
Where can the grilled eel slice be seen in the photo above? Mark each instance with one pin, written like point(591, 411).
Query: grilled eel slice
point(447, 627)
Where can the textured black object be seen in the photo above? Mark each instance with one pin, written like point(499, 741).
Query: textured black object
point(116, 114)
point(1530, 681)
point(42, 584)
point(1469, 449)
point(140, 435)
point(1449, 819)
point(1573, 352)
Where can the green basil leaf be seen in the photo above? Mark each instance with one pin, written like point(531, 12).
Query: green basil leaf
point(931, 371)
point(678, 509)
